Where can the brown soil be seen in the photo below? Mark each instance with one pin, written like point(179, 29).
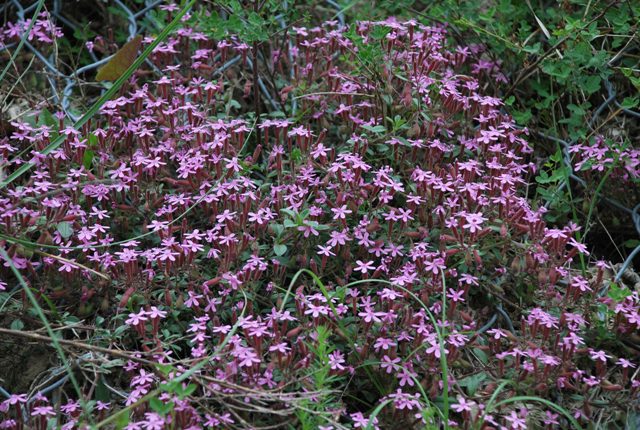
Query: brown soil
point(20, 363)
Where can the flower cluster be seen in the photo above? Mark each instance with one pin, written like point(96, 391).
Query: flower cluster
point(600, 156)
point(399, 191)
point(44, 30)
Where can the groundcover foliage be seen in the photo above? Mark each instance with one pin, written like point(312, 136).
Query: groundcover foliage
point(348, 245)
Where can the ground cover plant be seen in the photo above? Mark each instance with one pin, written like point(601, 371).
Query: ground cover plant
point(316, 226)
point(568, 70)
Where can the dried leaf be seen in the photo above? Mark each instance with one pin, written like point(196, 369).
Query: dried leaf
point(120, 61)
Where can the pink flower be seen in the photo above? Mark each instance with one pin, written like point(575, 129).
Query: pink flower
point(551, 418)
point(474, 221)
point(44, 411)
point(455, 296)
point(341, 212)
point(497, 333)
point(281, 347)
point(326, 251)
point(135, 319)
point(598, 356)
point(14, 399)
point(516, 421)
point(308, 230)
point(248, 358)
point(336, 360)
point(338, 238)
point(359, 421)
point(363, 267)
point(625, 363)
point(462, 405)
point(390, 365)
point(156, 313)
point(406, 377)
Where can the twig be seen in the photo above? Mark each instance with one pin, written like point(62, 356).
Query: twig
point(46, 339)
point(607, 119)
point(73, 263)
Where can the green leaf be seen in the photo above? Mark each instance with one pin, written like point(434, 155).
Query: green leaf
point(629, 73)
point(591, 84)
point(289, 212)
point(533, 49)
point(296, 154)
point(156, 404)
point(102, 392)
point(65, 229)
point(632, 243)
point(471, 383)
point(16, 325)
point(522, 117)
point(629, 102)
point(482, 356)
point(577, 109)
point(543, 178)
point(379, 32)
point(289, 223)
point(122, 421)
point(188, 390)
point(579, 54)
point(378, 129)
point(48, 119)
point(87, 158)
point(279, 249)
point(559, 70)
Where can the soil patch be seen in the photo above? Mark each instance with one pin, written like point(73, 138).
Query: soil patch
point(21, 363)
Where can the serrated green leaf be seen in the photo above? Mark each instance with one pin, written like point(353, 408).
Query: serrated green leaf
point(522, 117)
point(629, 102)
point(591, 84)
